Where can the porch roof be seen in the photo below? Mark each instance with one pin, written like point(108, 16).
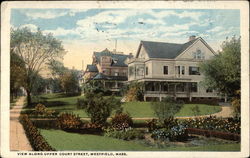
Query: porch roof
point(164, 79)
point(101, 76)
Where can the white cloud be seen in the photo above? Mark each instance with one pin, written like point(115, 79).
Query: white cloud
point(61, 32)
point(215, 29)
point(44, 14)
point(31, 27)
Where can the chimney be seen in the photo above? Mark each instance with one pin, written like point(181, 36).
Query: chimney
point(192, 37)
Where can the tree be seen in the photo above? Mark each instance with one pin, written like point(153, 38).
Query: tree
point(135, 92)
point(17, 71)
point(223, 71)
point(98, 107)
point(69, 82)
point(166, 108)
point(35, 50)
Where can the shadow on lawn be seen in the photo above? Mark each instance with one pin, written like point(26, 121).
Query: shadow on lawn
point(60, 95)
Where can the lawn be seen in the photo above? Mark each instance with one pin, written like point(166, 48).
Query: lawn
point(62, 103)
point(61, 140)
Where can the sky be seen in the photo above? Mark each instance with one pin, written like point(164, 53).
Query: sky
point(83, 31)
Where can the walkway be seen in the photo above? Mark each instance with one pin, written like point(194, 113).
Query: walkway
point(18, 139)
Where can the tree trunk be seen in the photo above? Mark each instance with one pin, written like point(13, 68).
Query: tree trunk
point(28, 98)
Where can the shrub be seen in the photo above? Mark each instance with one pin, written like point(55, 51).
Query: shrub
point(166, 108)
point(170, 122)
point(152, 125)
point(176, 133)
point(236, 104)
point(98, 107)
point(69, 121)
point(135, 92)
point(121, 121)
point(212, 123)
point(127, 134)
point(41, 110)
point(36, 140)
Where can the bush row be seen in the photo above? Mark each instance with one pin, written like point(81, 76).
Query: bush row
point(231, 125)
point(126, 134)
point(209, 133)
point(36, 140)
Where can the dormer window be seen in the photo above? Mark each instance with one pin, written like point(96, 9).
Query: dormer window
point(198, 54)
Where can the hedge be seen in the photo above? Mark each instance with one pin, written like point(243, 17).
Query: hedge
point(217, 134)
point(36, 140)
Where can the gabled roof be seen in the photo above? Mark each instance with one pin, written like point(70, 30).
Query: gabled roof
point(117, 59)
point(91, 68)
point(164, 50)
point(101, 76)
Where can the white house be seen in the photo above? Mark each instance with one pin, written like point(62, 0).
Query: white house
point(170, 69)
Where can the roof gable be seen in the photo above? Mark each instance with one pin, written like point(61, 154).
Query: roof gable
point(162, 49)
point(91, 68)
point(117, 59)
point(198, 41)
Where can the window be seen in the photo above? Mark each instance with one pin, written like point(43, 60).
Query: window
point(194, 70)
point(180, 87)
point(198, 54)
point(180, 70)
point(131, 70)
point(165, 70)
point(183, 70)
point(146, 70)
point(140, 70)
point(193, 87)
point(165, 87)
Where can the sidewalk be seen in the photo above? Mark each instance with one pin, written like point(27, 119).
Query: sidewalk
point(18, 139)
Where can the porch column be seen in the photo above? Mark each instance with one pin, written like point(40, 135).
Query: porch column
point(116, 85)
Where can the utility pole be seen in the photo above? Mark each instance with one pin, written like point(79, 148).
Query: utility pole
point(82, 65)
point(115, 44)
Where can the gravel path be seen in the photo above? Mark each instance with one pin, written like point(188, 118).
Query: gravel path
point(18, 139)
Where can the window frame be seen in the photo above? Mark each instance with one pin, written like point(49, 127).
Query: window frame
point(165, 71)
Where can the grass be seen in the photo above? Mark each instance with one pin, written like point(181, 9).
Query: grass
point(61, 140)
point(62, 103)
point(144, 109)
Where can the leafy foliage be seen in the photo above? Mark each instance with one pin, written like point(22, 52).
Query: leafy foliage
point(98, 107)
point(135, 92)
point(69, 82)
point(35, 50)
point(223, 71)
point(166, 108)
point(41, 110)
point(36, 140)
point(127, 134)
point(17, 72)
point(95, 86)
point(68, 121)
point(236, 104)
point(212, 123)
point(175, 133)
point(121, 121)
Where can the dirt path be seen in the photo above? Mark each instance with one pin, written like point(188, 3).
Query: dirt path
point(18, 139)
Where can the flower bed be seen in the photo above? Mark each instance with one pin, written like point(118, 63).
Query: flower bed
point(231, 125)
point(36, 140)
